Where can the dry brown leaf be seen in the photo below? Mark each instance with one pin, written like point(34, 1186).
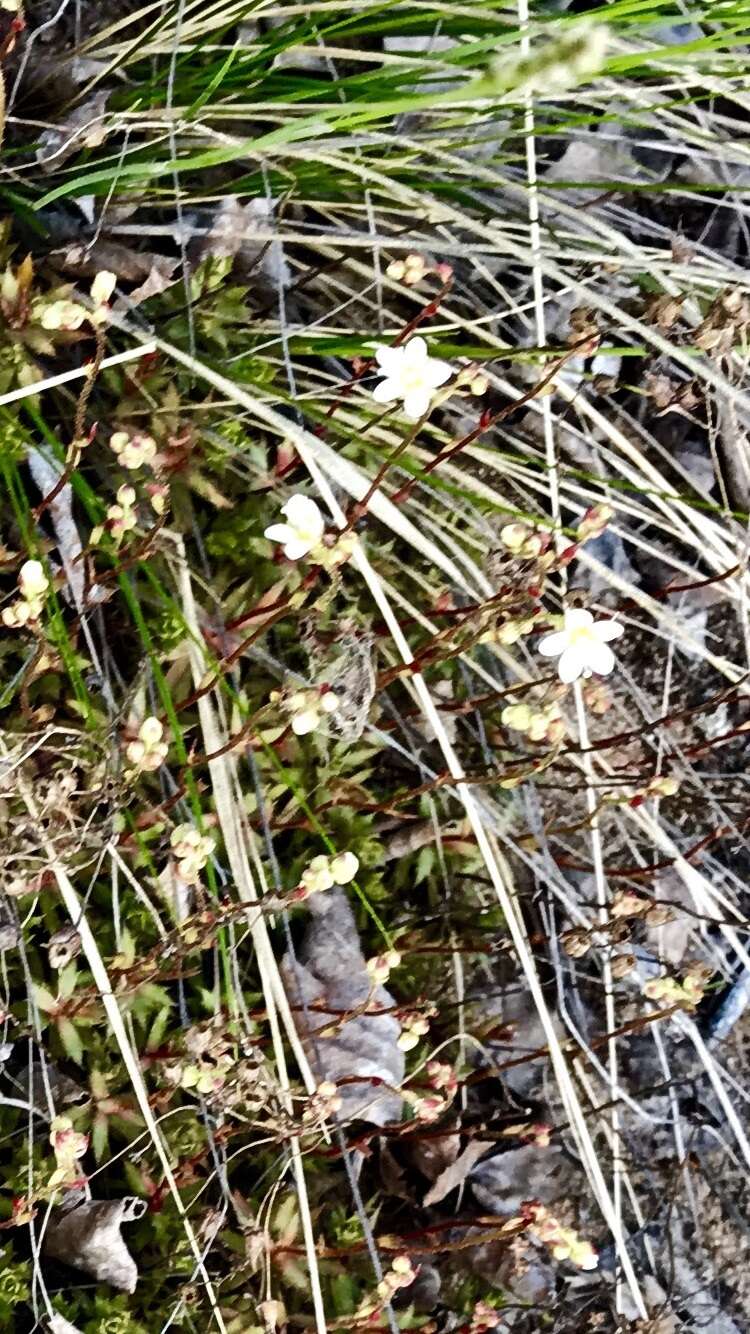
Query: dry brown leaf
point(456, 1172)
point(392, 1174)
point(33, 1080)
point(129, 265)
point(434, 1155)
point(85, 127)
point(158, 279)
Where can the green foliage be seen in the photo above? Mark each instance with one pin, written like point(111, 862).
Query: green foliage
point(363, 151)
point(14, 1287)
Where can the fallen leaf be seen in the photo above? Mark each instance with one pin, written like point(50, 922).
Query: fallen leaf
point(328, 980)
point(33, 1080)
point(392, 1174)
point(84, 128)
point(158, 279)
point(456, 1172)
point(435, 1154)
point(130, 266)
point(46, 475)
point(234, 235)
point(86, 1235)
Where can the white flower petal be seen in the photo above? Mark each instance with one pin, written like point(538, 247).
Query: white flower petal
point(437, 372)
point(571, 665)
point(297, 547)
point(386, 392)
point(389, 359)
point(555, 644)
point(304, 515)
point(344, 867)
point(415, 350)
point(606, 630)
point(416, 403)
point(577, 617)
point(600, 658)
point(279, 532)
point(305, 722)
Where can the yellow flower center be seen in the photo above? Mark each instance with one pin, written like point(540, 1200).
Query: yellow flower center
point(581, 635)
point(411, 378)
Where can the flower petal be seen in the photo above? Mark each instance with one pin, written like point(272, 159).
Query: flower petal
point(297, 547)
point(304, 515)
point(344, 867)
point(415, 350)
point(606, 630)
point(600, 658)
point(279, 532)
point(389, 359)
point(555, 644)
point(305, 722)
point(570, 666)
point(416, 403)
point(436, 372)
point(577, 617)
point(386, 392)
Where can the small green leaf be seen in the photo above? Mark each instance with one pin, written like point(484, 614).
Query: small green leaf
point(44, 999)
point(425, 864)
point(100, 1138)
point(66, 981)
point(158, 1029)
point(70, 1040)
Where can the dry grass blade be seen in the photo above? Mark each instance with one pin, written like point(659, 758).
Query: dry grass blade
point(227, 798)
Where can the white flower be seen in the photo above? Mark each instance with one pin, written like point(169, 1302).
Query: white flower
point(192, 850)
point(32, 580)
point(303, 530)
point(102, 287)
point(67, 315)
point(583, 645)
point(323, 872)
point(344, 867)
point(133, 450)
point(379, 968)
point(316, 877)
point(411, 375)
point(33, 584)
point(148, 751)
point(306, 708)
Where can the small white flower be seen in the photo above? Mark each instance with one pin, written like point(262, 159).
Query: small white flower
point(102, 287)
point(32, 579)
point(192, 850)
point(148, 751)
point(303, 530)
point(582, 646)
point(316, 877)
point(379, 968)
point(323, 873)
point(133, 450)
point(306, 708)
point(66, 315)
point(33, 584)
point(344, 867)
point(411, 375)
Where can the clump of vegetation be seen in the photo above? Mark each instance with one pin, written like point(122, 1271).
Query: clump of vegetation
point(374, 708)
